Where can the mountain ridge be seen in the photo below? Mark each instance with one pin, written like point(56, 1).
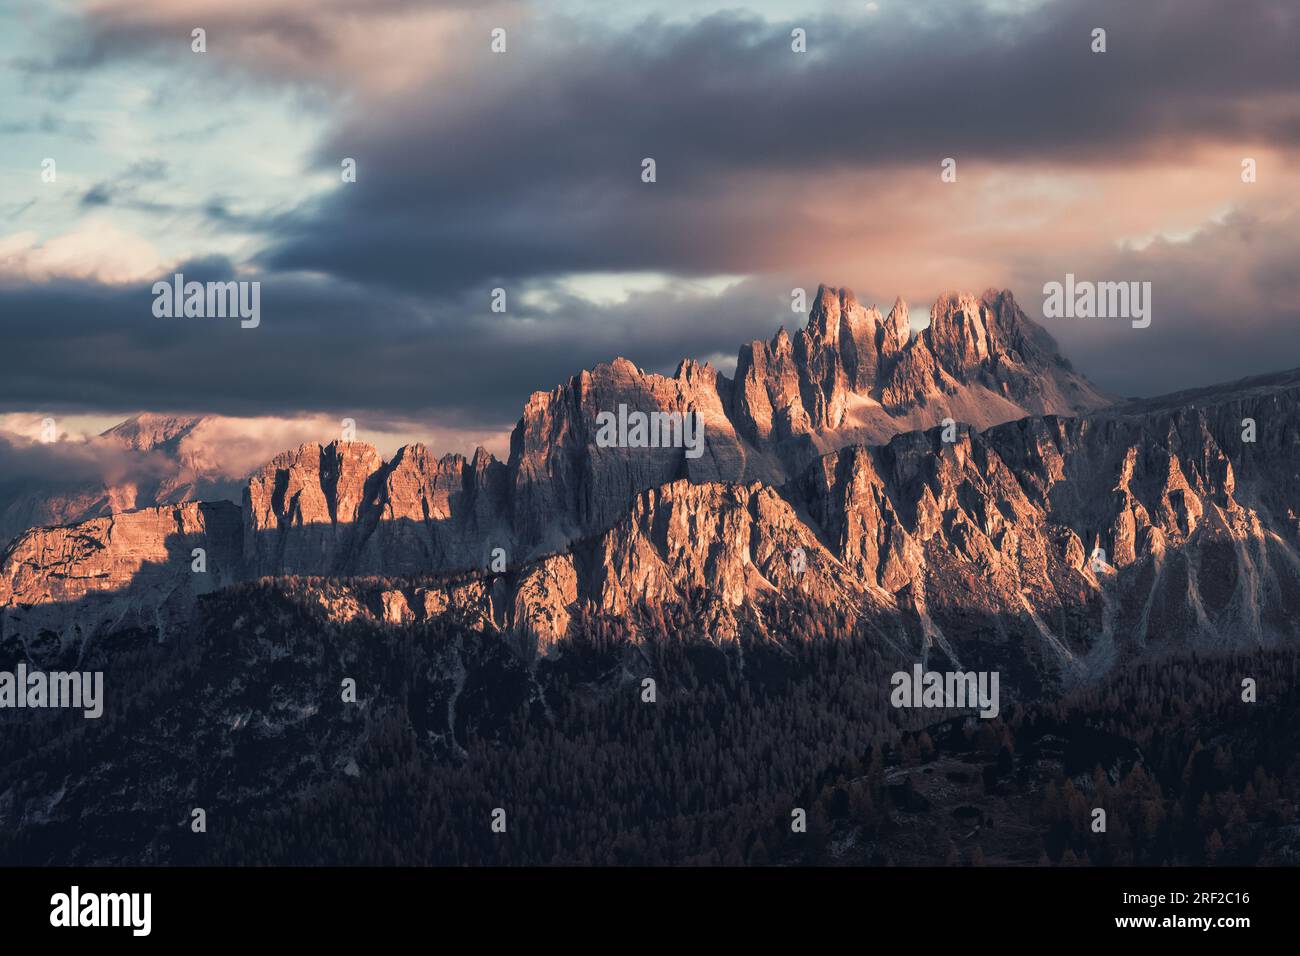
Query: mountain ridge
point(883, 527)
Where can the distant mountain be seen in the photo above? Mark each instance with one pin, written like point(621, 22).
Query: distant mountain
point(148, 462)
point(145, 432)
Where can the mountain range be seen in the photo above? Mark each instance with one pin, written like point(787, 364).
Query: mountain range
point(961, 492)
point(867, 500)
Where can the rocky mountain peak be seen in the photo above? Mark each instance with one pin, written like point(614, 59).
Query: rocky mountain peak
point(897, 329)
point(829, 309)
point(146, 431)
point(958, 333)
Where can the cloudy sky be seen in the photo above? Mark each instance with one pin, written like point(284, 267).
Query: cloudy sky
point(522, 170)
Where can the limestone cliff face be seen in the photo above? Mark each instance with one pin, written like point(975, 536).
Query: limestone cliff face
point(737, 541)
point(306, 509)
point(1092, 536)
point(339, 509)
point(740, 543)
point(437, 513)
point(563, 486)
point(61, 586)
point(768, 402)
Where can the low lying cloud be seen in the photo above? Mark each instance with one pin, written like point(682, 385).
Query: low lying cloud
point(235, 447)
point(72, 462)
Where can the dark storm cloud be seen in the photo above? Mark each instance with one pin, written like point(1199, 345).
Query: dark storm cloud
point(1225, 305)
point(528, 164)
point(327, 346)
point(513, 170)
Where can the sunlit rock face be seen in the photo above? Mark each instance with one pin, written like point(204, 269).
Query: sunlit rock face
point(1048, 530)
point(60, 587)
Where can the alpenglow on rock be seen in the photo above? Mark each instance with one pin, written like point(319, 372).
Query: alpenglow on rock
point(815, 445)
